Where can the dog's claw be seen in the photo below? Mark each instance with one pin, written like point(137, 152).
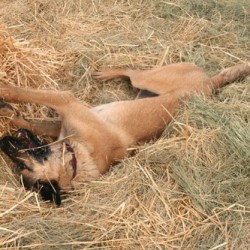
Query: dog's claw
point(100, 75)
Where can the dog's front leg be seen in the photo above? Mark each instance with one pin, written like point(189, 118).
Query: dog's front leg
point(78, 121)
point(72, 112)
point(41, 127)
point(54, 99)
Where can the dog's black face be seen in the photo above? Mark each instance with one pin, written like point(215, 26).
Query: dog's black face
point(28, 146)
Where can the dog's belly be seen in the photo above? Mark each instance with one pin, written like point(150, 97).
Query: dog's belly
point(105, 111)
point(141, 119)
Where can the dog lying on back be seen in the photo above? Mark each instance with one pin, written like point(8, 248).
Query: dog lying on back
point(91, 139)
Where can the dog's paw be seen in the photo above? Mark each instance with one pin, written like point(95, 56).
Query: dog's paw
point(102, 75)
point(111, 73)
point(5, 105)
point(6, 109)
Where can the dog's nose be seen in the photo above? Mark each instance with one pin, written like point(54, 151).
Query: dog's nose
point(50, 191)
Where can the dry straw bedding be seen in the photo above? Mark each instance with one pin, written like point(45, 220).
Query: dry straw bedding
point(188, 190)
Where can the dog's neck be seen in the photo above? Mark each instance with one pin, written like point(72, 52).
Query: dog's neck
point(73, 161)
point(79, 165)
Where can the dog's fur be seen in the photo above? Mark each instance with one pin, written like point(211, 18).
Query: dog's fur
point(90, 140)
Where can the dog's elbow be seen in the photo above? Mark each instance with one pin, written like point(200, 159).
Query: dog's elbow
point(67, 97)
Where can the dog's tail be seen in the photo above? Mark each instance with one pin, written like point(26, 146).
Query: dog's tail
point(231, 74)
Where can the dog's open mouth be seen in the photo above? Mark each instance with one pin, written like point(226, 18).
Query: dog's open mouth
point(27, 145)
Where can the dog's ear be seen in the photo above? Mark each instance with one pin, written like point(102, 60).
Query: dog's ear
point(11, 147)
point(50, 191)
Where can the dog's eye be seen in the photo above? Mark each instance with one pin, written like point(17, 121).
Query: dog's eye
point(21, 166)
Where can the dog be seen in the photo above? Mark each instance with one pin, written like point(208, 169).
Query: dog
point(89, 140)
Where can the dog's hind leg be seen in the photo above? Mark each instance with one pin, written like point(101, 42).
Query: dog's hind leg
point(43, 127)
point(160, 80)
point(179, 78)
point(132, 75)
point(108, 74)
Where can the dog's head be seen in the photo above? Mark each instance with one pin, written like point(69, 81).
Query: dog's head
point(36, 162)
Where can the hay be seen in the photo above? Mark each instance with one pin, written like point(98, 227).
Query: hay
point(23, 64)
point(187, 190)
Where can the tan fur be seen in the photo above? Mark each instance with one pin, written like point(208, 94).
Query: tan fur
point(102, 135)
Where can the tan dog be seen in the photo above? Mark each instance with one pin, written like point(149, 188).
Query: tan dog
point(90, 140)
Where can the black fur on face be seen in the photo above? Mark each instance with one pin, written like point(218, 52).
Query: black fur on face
point(35, 147)
point(49, 191)
point(26, 144)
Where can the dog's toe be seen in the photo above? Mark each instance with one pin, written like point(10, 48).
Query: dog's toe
point(6, 109)
point(101, 75)
point(5, 105)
